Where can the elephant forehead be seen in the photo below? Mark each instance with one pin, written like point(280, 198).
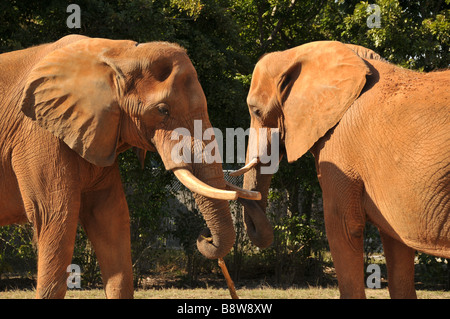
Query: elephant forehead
point(162, 79)
point(262, 88)
point(275, 63)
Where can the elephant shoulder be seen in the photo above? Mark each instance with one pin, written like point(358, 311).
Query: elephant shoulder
point(68, 39)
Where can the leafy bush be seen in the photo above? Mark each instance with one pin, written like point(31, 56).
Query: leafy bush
point(433, 272)
point(17, 252)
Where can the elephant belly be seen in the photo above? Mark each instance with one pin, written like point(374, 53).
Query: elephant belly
point(408, 219)
point(12, 212)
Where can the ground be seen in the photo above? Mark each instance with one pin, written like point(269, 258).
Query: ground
point(222, 293)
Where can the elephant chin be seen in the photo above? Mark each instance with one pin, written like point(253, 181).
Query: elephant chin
point(258, 227)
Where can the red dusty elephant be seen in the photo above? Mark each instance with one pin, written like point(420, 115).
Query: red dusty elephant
point(381, 141)
point(66, 110)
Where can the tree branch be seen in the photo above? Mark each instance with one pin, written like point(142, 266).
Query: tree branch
point(277, 28)
point(260, 23)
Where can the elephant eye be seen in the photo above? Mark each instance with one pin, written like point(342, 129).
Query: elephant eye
point(256, 112)
point(163, 109)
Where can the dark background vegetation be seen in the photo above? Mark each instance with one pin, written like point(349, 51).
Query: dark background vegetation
point(224, 39)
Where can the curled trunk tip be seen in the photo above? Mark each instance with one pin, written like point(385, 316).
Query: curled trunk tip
point(211, 247)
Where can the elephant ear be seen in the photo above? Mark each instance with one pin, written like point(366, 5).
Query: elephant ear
point(320, 83)
point(74, 93)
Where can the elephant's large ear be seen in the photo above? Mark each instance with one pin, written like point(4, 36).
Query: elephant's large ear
point(320, 83)
point(74, 93)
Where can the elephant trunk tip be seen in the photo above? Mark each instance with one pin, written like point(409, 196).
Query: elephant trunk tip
point(261, 237)
point(259, 228)
point(211, 247)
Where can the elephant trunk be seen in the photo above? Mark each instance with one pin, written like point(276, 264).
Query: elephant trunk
point(200, 172)
point(258, 227)
point(205, 179)
point(217, 240)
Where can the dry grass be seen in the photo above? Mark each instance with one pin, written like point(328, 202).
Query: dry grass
point(215, 293)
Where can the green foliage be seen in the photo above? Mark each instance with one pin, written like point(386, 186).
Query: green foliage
point(191, 7)
point(296, 232)
point(433, 271)
point(187, 225)
point(298, 223)
point(84, 256)
point(148, 193)
point(413, 34)
point(17, 251)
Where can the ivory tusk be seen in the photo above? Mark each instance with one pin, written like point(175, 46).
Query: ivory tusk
point(197, 186)
point(244, 193)
point(246, 168)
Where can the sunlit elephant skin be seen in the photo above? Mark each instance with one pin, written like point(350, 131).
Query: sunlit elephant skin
point(66, 110)
point(381, 141)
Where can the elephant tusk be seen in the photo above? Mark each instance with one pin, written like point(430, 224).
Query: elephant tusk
point(197, 186)
point(246, 168)
point(244, 193)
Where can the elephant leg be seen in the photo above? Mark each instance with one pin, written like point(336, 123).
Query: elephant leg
point(55, 224)
point(345, 227)
point(55, 227)
point(400, 268)
point(51, 197)
point(105, 218)
point(55, 242)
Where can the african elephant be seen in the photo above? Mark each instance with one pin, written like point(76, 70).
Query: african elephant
point(66, 110)
point(381, 142)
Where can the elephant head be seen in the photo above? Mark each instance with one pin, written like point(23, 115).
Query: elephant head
point(303, 92)
point(102, 97)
